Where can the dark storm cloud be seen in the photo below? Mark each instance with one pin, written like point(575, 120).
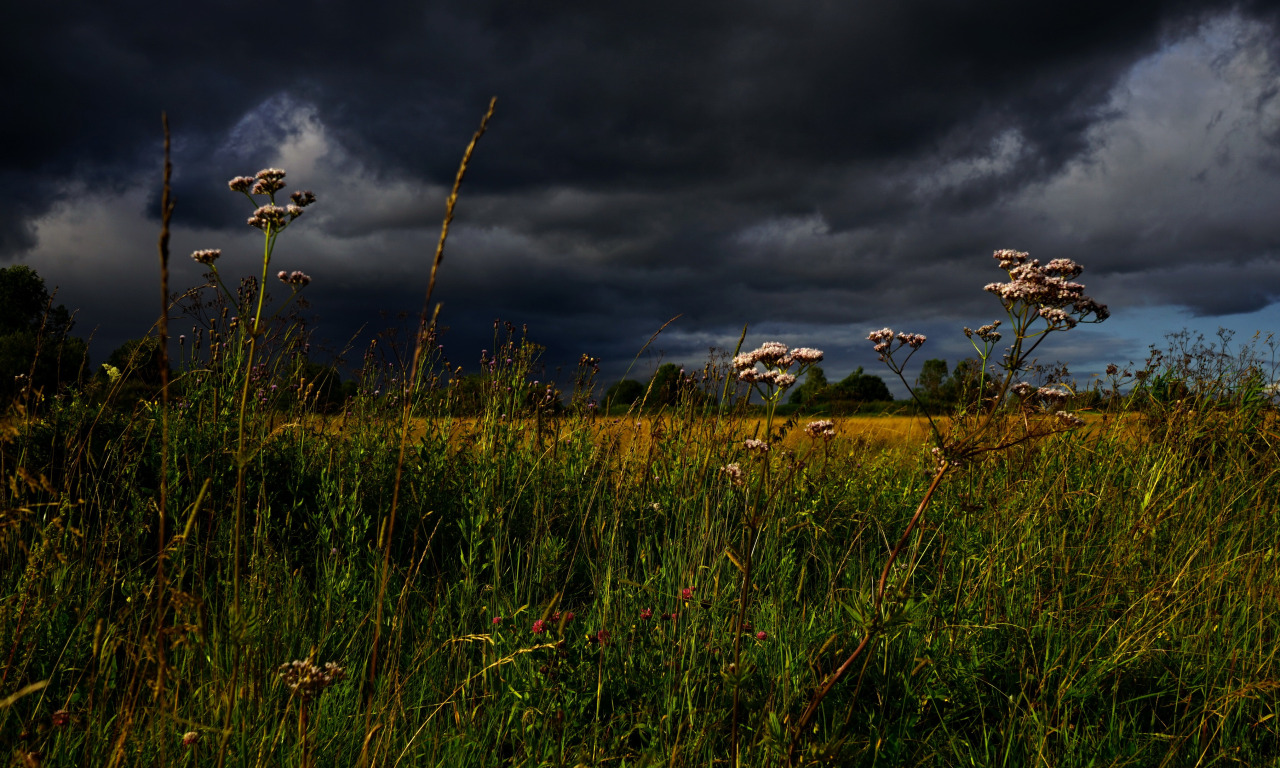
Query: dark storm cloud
point(805, 167)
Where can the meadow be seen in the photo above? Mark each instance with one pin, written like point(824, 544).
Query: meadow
point(228, 574)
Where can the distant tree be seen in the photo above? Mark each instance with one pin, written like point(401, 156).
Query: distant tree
point(862, 388)
point(815, 384)
point(932, 379)
point(965, 384)
point(624, 392)
point(664, 387)
point(35, 335)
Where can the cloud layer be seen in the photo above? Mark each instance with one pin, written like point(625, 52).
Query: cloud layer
point(812, 170)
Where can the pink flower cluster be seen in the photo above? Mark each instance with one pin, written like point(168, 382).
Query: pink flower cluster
point(987, 333)
point(295, 278)
point(825, 428)
point(733, 472)
point(883, 341)
point(755, 445)
point(777, 359)
point(1062, 303)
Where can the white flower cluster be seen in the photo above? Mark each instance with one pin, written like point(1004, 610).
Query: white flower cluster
point(826, 428)
point(776, 359)
point(1062, 303)
point(309, 680)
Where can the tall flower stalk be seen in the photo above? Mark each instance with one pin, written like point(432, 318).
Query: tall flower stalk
point(770, 383)
point(271, 219)
point(1038, 301)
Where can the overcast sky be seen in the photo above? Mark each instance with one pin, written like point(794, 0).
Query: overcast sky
point(816, 170)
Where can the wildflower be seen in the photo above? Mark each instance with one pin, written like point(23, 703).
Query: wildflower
point(825, 428)
point(733, 472)
point(603, 636)
point(1060, 302)
point(295, 278)
point(987, 333)
point(1053, 394)
point(309, 680)
point(913, 340)
point(302, 199)
point(568, 617)
point(207, 256)
point(762, 635)
point(539, 627)
point(61, 718)
point(755, 445)
point(267, 217)
point(1112, 369)
point(190, 738)
point(269, 181)
point(686, 593)
point(646, 614)
point(497, 620)
point(241, 183)
point(1069, 420)
point(806, 355)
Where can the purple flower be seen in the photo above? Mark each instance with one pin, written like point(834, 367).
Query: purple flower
point(539, 627)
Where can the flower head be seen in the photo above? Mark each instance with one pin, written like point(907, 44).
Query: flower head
point(733, 472)
point(207, 256)
point(539, 627)
point(1059, 301)
point(268, 217)
point(241, 183)
point(825, 428)
point(190, 738)
point(269, 181)
point(309, 680)
point(295, 278)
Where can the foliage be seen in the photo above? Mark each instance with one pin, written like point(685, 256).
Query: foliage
point(37, 352)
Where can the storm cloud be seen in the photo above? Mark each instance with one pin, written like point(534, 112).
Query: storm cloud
point(813, 170)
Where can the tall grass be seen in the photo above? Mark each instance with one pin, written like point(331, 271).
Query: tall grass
point(559, 588)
